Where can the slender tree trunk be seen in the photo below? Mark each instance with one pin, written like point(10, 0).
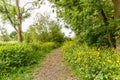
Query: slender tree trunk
point(103, 17)
point(116, 16)
point(19, 22)
point(19, 34)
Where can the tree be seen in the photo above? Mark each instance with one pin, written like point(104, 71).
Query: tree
point(55, 33)
point(44, 29)
point(16, 14)
point(94, 22)
point(117, 17)
point(19, 21)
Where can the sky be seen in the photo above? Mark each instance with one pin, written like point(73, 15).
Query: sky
point(45, 8)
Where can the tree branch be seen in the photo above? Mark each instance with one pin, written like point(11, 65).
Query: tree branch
point(104, 16)
point(7, 13)
point(27, 3)
point(31, 8)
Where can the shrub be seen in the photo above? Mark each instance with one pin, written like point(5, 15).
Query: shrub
point(91, 63)
point(14, 57)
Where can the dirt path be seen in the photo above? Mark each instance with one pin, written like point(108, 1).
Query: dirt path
point(54, 68)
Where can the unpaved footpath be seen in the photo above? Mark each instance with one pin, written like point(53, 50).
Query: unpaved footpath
point(54, 68)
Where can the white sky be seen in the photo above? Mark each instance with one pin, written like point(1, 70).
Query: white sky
point(46, 8)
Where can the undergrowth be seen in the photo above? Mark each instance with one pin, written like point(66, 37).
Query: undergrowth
point(90, 63)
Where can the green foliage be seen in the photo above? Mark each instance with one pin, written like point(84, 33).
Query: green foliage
point(55, 33)
point(12, 12)
point(8, 11)
point(44, 29)
point(15, 58)
point(92, 63)
point(92, 20)
point(4, 34)
point(13, 35)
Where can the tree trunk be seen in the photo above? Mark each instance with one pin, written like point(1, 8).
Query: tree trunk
point(19, 34)
point(104, 19)
point(19, 22)
point(116, 16)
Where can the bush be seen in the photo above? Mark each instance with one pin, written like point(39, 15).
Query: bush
point(91, 63)
point(17, 56)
